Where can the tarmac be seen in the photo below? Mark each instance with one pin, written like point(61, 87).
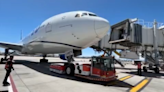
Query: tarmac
point(31, 76)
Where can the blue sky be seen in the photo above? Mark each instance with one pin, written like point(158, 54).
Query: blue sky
point(26, 15)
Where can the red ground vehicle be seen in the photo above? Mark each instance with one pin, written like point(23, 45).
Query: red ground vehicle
point(98, 68)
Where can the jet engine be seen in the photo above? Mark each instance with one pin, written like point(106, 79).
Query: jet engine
point(75, 53)
point(63, 56)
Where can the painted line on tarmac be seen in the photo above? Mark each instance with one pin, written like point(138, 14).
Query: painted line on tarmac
point(120, 79)
point(142, 84)
point(12, 87)
point(126, 77)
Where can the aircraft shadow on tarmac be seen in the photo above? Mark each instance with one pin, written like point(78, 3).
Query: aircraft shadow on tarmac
point(147, 74)
point(44, 68)
point(125, 68)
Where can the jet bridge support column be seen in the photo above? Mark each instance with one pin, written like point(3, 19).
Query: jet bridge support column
point(155, 48)
point(145, 53)
point(145, 56)
point(155, 42)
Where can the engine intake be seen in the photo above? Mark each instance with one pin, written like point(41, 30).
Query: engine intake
point(63, 57)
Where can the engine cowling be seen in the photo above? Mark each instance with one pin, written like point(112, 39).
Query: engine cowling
point(75, 54)
point(62, 56)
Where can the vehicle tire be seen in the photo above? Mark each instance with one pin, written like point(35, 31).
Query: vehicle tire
point(1, 60)
point(69, 70)
point(144, 69)
point(156, 70)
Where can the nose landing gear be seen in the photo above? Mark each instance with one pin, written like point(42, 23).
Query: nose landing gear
point(44, 60)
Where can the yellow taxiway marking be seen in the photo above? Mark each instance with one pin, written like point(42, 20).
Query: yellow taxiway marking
point(140, 85)
point(121, 79)
point(126, 77)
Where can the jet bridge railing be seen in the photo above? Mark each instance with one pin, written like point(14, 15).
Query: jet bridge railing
point(150, 59)
point(161, 53)
point(148, 24)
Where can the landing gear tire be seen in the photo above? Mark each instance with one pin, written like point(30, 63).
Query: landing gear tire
point(144, 69)
point(69, 70)
point(2, 60)
point(156, 70)
point(43, 60)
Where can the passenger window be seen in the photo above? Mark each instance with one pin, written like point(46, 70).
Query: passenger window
point(84, 14)
point(92, 15)
point(77, 15)
point(36, 30)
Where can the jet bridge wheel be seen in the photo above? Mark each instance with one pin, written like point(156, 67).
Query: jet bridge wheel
point(156, 70)
point(69, 69)
point(145, 69)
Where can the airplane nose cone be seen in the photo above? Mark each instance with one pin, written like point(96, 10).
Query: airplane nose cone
point(101, 27)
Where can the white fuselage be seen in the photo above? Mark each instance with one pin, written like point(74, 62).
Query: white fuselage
point(66, 31)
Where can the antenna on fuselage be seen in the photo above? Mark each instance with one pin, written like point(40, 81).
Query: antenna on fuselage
point(21, 35)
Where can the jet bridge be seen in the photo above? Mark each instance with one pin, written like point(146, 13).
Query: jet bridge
point(133, 38)
point(132, 34)
point(140, 38)
point(104, 44)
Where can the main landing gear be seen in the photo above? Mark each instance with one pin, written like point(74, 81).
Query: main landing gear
point(5, 55)
point(44, 60)
point(70, 68)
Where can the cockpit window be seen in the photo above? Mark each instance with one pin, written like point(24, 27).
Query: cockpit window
point(92, 14)
point(77, 15)
point(84, 14)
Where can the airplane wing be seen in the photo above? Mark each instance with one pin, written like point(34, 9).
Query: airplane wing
point(11, 46)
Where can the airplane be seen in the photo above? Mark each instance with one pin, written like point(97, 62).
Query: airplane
point(74, 30)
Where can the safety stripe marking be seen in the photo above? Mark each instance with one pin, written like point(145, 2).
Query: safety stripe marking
point(140, 85)
point(120, 79)
point(126, 77)
point(12, 87)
